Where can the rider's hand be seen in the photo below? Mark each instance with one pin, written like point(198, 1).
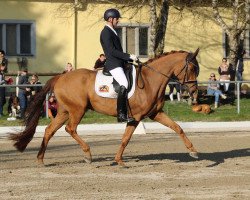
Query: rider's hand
point(133, 57)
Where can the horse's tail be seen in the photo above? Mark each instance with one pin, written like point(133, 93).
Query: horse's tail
point(32, 116)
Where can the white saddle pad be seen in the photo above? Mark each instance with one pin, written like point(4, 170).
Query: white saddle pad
point(104, 86)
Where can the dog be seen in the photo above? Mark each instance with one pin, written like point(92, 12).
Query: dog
point(13, 108)
point(201, 108)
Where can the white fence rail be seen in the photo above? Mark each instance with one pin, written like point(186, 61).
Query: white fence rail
point(236, 91)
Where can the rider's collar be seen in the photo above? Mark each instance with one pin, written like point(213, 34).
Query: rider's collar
point(111, 28)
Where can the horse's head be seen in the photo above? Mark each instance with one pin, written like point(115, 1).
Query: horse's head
point(188, 72)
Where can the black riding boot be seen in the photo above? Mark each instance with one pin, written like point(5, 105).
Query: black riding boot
point(122, 110)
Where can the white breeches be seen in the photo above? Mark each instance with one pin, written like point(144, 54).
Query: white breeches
point(119, 76)
point(226, 85)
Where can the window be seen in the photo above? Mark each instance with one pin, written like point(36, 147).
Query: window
point(134, 38)
point(17, 38)
point(245, 46)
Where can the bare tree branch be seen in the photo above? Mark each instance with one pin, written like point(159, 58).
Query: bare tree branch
point(218, 17)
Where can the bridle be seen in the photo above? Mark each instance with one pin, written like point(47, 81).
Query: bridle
point(183, 70)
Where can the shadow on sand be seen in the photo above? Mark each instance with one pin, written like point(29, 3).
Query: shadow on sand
point(216, 157)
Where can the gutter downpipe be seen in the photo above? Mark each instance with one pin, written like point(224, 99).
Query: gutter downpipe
point(75, 34)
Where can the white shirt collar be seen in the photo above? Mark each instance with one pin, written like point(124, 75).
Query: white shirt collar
point(111, 28)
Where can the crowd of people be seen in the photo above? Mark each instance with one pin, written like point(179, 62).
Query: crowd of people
point(219, 88)
point(225, 72)
point(29, 86)
point(25, 94)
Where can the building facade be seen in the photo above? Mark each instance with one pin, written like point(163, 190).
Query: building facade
point(50, 34)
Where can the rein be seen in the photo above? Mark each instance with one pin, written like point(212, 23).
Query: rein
point(185, 68)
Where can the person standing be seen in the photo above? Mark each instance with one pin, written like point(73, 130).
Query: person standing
point(3, 60)
point(33, 90)
point(175, 86)
point(22, 91)
point(240, 67)
point(100, 62)
point(224, 72)
point(115, 61)
point(2, 89)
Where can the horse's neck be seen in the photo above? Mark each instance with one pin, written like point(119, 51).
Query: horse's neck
point(158, 76)
point(153, 82)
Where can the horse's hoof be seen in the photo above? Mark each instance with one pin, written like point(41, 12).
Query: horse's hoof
point(194, 154)
point(87, 157)
point(40, 163)
point(87, 160)
point(122, 165)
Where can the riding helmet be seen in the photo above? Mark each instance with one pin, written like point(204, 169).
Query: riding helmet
point(112, 12)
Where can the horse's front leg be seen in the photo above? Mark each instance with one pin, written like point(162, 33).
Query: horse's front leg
point(125, 140)
point(162, 118)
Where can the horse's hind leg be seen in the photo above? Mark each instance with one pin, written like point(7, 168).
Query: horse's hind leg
point(162, 118)
point(74, 120)
point(55, 124)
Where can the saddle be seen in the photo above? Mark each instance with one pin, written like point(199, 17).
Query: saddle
point(128, 69)
point(107, 86)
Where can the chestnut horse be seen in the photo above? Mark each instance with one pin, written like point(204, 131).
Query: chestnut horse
point(75, 95)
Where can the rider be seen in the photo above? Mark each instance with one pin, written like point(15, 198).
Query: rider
point(115, 60)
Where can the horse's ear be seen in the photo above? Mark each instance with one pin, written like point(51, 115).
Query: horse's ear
point(195, 53)
point(192, 56)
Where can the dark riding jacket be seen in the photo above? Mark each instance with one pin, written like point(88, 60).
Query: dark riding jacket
point(115, 57)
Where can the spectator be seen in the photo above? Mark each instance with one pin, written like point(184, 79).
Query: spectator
point(213, 89)
point(240, 66)
point(171, 92)
point(22, 91)
point(100, 62)
point(3, 61)
point(68, 68)
point(52, 107)
point(2, 89)
point(224, 72)
point(32, 90)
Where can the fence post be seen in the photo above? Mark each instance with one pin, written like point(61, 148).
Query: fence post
point(47, 105)
point(238, 97)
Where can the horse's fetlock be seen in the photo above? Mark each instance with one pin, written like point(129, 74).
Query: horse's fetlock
point(87, 149)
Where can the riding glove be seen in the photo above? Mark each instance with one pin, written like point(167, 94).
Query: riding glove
point(133, 57)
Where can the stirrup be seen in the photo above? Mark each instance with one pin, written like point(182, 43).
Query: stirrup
point(123, 118)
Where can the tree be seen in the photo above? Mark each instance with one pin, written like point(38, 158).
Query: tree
point(158, 26)
point(234, 26)
point(236, 30)
point(159, 11)
point(158, 21)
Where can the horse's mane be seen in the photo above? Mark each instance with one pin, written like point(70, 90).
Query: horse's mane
point(164, 54)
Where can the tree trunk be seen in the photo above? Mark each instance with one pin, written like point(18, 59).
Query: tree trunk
point(161, 28)
point(233, 49)
point(153, 19)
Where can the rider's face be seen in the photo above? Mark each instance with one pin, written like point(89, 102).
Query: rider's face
point(113, 21)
